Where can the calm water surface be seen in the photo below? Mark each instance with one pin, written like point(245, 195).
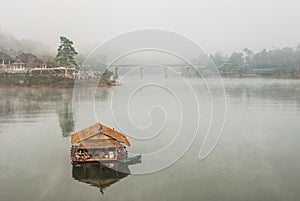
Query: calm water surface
point(257, 157)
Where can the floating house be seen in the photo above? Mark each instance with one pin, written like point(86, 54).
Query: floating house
point(99, 143)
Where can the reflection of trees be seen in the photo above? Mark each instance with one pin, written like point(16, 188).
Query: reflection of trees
point(7, 109)
point(81, 94)
point(66, 121)
point(20, 103)
point(280, 91)
point(26, 105)
point(102, 93)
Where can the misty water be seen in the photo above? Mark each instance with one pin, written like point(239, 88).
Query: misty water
point(257, 157)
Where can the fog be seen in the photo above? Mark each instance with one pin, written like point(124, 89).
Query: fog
point(216, 25)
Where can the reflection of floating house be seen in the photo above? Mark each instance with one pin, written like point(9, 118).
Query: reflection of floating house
point(100, 143)
point(98, 175)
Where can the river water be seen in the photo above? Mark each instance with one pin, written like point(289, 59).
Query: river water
point(256, 158)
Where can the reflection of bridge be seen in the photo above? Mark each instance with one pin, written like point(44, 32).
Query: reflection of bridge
point(141, 67)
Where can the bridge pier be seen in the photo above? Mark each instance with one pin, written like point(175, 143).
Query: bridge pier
point(166, 72)
point(116, 73)
point(189, 70)
point(141, 72)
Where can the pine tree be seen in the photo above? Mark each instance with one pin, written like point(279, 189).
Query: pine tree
point(66, 53)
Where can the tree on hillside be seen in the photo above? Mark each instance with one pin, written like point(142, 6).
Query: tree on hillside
point(49, 60)
point(79, 61)
point(105, 78)
point(248, 54)
point(236, 59)
point(66, 53)
point(219, 59)
point(297, 57)
point(298, 47)
point(31, 60)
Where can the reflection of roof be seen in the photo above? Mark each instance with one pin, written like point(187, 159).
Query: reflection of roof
point(92, 131)
point(99, 175)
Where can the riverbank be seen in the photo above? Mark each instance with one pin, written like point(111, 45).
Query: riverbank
point(46, 81)
point(37, 81)
point(54, 81)
point(275, 76)
point(287, 76)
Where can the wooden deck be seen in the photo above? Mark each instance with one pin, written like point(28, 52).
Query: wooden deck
point(94, 160)
point(86, 157)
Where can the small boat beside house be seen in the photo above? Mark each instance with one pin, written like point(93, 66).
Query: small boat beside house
point(99, 143)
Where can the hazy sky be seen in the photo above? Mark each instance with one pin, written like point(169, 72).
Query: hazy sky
point(225, 25)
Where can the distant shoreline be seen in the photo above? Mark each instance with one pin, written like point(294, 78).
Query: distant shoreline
point(14, 81)
point(288, 77)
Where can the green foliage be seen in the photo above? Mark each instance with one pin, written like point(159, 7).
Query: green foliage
point(219, 59)
point(105, 78)
point(26, 80)
point(79, 60)
point(66, 121)
point(236, 59)
point(66, 53)
point(282, 61)
point(49, 60)
point(248, 54)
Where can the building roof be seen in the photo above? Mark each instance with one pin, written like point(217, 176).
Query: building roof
point(18, 62)
point(92, 132)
